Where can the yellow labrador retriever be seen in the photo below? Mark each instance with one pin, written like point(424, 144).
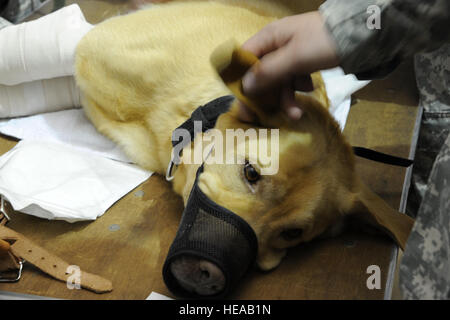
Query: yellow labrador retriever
point(143, 74)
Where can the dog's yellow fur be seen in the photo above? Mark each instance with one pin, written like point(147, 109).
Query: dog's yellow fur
point(143, 74)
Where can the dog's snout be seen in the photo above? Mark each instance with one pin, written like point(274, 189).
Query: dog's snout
point(198, 276)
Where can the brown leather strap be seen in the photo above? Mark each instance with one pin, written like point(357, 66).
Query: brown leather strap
point(4, 246)
point(23, 248)
point(7, 260)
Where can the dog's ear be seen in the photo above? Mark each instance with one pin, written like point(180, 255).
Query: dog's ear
point(231, 63)
point(373, 210)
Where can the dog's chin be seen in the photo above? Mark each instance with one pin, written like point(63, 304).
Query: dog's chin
point(270, 259)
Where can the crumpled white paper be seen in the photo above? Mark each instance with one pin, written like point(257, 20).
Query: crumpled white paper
point(339, 88)
point(54, 181)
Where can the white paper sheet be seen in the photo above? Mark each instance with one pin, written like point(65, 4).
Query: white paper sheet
point(69, 127)
point(54, 181)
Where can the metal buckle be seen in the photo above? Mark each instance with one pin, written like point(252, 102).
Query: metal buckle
point(17, 278)
point(3, 209)
point(4, 215)
point(170, 167)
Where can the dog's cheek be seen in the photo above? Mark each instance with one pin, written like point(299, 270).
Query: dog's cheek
point(270, 258)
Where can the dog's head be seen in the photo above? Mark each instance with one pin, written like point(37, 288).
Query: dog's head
point(297, 184)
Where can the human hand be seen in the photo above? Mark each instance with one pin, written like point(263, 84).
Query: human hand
point(289, 50)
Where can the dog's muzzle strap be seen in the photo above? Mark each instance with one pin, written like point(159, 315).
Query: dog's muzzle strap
point(381, 157)
point(207, 115)
point(211, 232)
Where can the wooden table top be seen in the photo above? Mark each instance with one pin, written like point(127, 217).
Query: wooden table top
point(131, 254)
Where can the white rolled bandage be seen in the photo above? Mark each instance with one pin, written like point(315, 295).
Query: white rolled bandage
point(38, 97)
point(43, 48)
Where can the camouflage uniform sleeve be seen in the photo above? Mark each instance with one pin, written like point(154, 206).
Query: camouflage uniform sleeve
point(424, 269)
point(406, 27)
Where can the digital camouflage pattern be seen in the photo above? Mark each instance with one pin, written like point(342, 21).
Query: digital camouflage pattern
point(425, 266)
point(433, 81)
point(408, 28)
point(17, 11)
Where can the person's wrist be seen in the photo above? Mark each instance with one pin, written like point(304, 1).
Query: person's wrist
point(316, 47)
point(328, 42)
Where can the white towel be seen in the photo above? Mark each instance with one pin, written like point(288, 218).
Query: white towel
point(42, 48)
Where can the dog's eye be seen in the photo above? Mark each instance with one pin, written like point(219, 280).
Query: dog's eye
point(250, 173)
point(291, 234)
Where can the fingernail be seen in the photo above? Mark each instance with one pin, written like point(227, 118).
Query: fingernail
point(248, 82)
point(295, 113)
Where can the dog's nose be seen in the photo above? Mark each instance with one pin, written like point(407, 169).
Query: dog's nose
point(197, 275)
